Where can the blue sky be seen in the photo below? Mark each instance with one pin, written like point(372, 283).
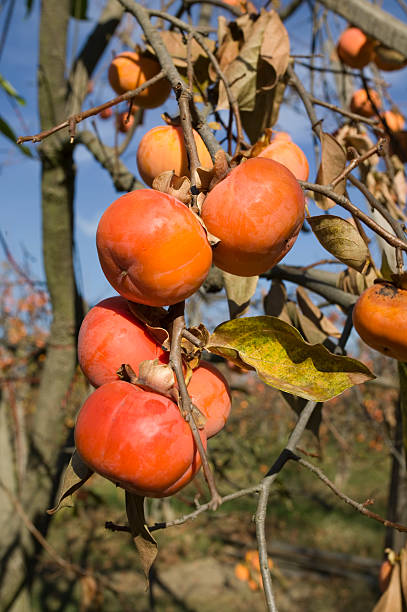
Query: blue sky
point(20, 214)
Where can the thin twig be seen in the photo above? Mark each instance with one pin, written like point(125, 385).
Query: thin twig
point(75, 119)
point(178, 326)
point(345, 113)
point(354, 210)
point(377, 148)
point(359, 507)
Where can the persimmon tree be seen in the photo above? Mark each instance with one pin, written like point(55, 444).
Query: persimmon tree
point(245, 212)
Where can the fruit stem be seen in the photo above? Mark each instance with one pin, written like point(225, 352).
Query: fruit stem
point(186, 406)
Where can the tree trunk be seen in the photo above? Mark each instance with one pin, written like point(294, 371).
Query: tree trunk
point(62, 387)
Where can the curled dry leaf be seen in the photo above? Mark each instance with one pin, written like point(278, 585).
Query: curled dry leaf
point(76, 474)
point(192, 354)
point(333, 162)
point(341, 239)
point(177, 186)
point(155, 319)
point(352, 281)
point(275, 302)
point(145, 543)
point(261, 60)
point(284, 360)
point(354, 136)
point(392, 599)
point(239, 291)
point(312, 311)
point(157, 376)
point(209, 177)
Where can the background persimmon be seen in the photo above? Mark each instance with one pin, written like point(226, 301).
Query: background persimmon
point(388, 59)
point(394, 120)
point(380, 318)
point(162, 148)
point(257, 212)
point(210, 392)
point(129, 70)
point(354, 48)
point(135, 438)
point(361, 104)
point(286, 152)
point(110, 336)
point(106, 113)
point(124, 122)
point(152, 248)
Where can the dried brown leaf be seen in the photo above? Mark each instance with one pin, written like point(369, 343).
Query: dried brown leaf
point(341, 239)
point(145, 543)
point(76, 474)
point(311, 310)
point(333, 162)
point(175, 43)
point(177, 186)
point(391, 600)
point(239, 291)
point(155, 319)
point(275, 302)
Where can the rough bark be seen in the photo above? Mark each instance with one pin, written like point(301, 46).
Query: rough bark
point(60, 388)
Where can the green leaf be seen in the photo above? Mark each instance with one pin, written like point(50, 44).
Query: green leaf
point(284, 360)
point(145, 543)
point(79, 9)
point(6, 130)
point(9, 89)
point(76, 474)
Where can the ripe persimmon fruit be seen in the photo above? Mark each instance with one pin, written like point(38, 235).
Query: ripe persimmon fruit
point(361, 104)
point(130, 70)
point(257, 212)
point(380, 319)
point(354, 48)
point(242, 572)
point(388, 59)
point(135, 438)
point(162, 148)
point(210, 392)
point(394, 120)
point(111, 335)
point(152, 248)
point(289, 154)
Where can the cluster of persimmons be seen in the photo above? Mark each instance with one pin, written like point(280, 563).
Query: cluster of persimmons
point(154, 250)
point(357, 50)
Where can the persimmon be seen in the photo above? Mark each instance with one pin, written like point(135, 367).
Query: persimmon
point(394, 120)
point(162, 148)
point(106, 113)
point(130, 70)
point(110, 336)
point(380, 319)
point(124, 122)
point(354, 48)
point(257, 212)
point(361, 104)
point(289, 154)
point(388, 59)
point(385, 571)
point(135, 438)
point(210, 392)
point(242, 572)
point(152, 248)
